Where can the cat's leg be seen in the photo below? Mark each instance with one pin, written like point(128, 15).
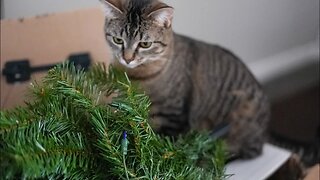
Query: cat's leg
point(168, 126)
point(244, 145)
point(248, 123)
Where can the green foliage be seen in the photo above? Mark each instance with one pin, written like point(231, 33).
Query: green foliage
point(69, 132)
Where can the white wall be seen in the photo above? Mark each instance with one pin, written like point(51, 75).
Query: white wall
point(253, 29)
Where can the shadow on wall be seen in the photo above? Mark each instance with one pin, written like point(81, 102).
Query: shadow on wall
point(295, 122)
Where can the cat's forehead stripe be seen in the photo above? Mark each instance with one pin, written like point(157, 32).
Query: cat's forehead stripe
point(135, 12)
point(121, 32)
point(142, 35)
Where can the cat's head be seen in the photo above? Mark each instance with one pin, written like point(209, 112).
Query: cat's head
point(138, 31)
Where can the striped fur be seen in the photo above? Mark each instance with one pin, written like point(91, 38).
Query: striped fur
point(192, 85)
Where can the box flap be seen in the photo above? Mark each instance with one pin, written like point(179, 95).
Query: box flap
point(49, 39)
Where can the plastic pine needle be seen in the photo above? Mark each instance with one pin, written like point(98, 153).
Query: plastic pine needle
point(68, 131)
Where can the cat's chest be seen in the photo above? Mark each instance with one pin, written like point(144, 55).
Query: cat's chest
point(171, 88)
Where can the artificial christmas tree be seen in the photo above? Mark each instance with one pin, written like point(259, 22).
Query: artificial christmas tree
point(70, 131)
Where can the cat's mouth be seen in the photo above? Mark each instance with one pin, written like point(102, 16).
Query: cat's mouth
point(131, 65)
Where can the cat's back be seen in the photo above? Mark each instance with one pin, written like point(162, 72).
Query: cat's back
point(211, 60)
point(196, 50)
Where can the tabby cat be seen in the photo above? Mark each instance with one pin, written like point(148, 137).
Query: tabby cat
point(192, 85)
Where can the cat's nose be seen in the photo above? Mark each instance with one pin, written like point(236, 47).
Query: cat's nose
point(128, 56)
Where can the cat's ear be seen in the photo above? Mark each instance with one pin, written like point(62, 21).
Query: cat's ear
point(162, 14)
point(112, 8)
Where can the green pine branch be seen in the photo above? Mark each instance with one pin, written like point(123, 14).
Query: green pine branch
point(69, 131)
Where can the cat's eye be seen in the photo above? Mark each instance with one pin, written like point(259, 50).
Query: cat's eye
point(117, 40)
point(145, 44)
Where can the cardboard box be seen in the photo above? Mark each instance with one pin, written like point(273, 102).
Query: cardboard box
point(313, 173)
point(49, 39)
